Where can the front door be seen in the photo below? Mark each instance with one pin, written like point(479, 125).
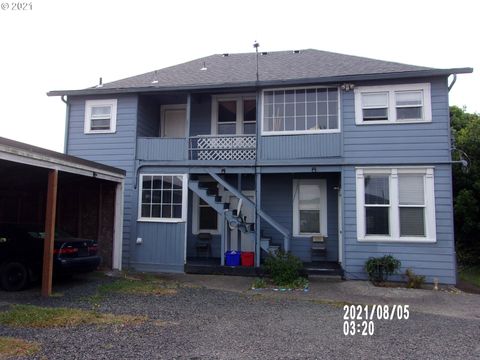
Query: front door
point(239, 240)
point(173, 124)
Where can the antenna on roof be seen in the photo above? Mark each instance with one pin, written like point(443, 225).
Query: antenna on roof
point(256, 45)
point(204, 67)
point(155, 79)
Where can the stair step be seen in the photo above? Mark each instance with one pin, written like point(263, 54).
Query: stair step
point(203, 185)
point(193, 177)
point(211, 192)
point(218, 198)
point(226, 206)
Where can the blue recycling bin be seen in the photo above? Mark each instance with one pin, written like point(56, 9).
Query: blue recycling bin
point(232, 258)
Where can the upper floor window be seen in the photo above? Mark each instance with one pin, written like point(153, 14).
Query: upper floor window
point(395, 204)
point(234, 115)
point(302, 110)
point(100, 116)
point(393, 104)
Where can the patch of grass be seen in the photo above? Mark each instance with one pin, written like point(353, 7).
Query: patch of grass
point(45, 317)
point(259, 283)
point(12, 347)
point(471, 275)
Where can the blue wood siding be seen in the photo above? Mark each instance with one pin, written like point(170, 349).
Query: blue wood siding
point(431, 260)
point(148, 117)
point(201, 115)
point(398, 143)
point(167, 149)
point(286, 147)
point(162, 249)
point(277, 201)
point(116, 149)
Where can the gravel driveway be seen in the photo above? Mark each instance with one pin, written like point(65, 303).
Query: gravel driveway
point(200, 323)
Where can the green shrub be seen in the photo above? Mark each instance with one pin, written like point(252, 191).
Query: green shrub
point(299, 283)
point(379, 269)
point(414, 281)
point(284, 268)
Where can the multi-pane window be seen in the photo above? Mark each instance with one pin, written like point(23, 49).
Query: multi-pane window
point(396, 204)
point(392, 104)
point(300, 110)
point(162, 197)
point(100, 116)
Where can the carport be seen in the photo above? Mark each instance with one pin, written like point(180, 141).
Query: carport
point(84, 198)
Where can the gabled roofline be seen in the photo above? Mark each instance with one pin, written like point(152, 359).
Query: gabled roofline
point(253, 84)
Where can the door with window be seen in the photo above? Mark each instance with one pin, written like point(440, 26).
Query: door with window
point(235, 115)
point(310, 207)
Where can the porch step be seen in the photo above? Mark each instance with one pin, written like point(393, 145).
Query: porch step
point(323, 269)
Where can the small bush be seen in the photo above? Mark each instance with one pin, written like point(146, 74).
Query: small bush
point(379, 269)
point(284, 268)
point(414, 281)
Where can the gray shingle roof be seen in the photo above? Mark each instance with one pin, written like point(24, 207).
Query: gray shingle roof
point(274, 67)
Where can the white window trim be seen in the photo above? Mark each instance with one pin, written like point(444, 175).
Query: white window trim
point(88, 116)
point(300, 132)
point(164, 220)
point(392, 114)
point(196, 219)
point(394, 215)
point(164, 109)
point(239, 121)
point(323, 207)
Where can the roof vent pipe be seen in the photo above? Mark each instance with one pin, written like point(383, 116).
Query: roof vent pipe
point(100, 83)
point(225, 55)
point(296, 51)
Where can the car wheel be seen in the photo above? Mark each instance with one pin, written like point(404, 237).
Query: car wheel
point(13, 276)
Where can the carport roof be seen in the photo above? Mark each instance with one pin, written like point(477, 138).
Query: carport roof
point(19, 152)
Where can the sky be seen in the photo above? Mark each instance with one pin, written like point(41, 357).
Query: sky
point(70, 44)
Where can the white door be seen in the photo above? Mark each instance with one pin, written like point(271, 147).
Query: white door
point(174, 123)
point(246, 241)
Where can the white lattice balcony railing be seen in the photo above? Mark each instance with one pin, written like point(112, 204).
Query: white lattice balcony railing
point(222, 147)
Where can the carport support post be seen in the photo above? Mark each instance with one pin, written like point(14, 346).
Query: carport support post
point(49, 233)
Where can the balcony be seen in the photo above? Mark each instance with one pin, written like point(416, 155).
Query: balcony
point(197, 148)
point(224, 147)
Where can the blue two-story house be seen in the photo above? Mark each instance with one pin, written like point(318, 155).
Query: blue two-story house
point(335, 158)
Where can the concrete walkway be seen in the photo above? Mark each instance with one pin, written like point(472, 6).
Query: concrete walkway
point(447, 302)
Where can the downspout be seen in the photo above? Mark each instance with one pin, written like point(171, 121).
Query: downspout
point(454, 80)
point(67, 123)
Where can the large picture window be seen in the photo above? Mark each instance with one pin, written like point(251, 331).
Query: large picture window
point(162, 198)
point(305, 110)
point(396, 204)
point(392, 104)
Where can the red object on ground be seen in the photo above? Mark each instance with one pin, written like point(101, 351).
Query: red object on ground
point(247, 258)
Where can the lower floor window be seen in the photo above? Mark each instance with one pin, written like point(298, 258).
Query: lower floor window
point(162, 197)
point(396, 204)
